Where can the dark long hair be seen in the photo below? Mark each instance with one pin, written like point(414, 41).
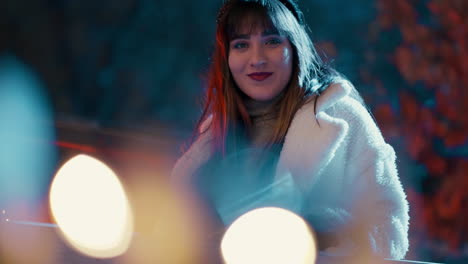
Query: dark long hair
point(223, 99)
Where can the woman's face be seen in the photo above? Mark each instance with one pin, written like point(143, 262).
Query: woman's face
point(261, 63)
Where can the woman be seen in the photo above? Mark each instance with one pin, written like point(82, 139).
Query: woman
point(280, 127)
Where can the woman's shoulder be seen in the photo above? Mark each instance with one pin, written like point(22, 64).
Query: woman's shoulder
point(336, 91)
point(341, 101)
point(364, 135)
point(358, 116)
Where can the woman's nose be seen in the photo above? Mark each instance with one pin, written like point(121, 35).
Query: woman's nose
point(258, 58)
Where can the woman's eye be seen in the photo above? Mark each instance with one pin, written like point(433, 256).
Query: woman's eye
point(240, 45)
point(274, 41)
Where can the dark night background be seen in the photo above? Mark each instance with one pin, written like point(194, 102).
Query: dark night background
point(132, 70)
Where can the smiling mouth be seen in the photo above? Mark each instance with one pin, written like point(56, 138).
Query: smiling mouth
point(259, 76)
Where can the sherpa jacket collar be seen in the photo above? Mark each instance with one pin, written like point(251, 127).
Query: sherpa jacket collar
point(312, 139)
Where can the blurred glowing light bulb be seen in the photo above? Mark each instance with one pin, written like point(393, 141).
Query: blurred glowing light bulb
point(90, 207)
point(269, 235)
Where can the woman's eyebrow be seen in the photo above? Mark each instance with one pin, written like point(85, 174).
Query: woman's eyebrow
point(269, 32)
point(240, 36)
point(265, 33)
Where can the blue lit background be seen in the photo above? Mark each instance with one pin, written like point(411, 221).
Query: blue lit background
point(138, 65)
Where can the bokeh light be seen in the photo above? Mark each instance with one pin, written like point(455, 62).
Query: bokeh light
point(269, 235)
point(26, 131)
point(90, 207)
point(169, 228)
point(27, 159)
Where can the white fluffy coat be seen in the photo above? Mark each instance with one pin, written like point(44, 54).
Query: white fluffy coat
point(342, 170)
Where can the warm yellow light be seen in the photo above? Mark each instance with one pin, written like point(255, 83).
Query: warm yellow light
point(90, 207)
point(268, 235)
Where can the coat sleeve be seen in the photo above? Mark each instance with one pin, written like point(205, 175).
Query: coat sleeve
point(377, 204)
point(380, 208)
point(198, 153)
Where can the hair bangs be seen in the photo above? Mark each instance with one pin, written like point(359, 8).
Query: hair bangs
point(247, 17)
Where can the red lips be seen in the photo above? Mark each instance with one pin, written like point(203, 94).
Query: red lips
point(259, 76)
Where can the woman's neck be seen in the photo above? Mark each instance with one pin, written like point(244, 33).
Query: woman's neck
point(263, 115)
point(258, 109)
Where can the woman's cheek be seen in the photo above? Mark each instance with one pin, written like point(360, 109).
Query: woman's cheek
point(235, 63)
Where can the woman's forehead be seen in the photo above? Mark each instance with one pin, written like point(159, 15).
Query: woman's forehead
point(249, 20)
point(250, 27)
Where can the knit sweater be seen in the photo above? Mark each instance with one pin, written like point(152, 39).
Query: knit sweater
point(262, 115)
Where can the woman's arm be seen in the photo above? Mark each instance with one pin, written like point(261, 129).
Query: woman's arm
point(380, 209)
point(377, 203)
